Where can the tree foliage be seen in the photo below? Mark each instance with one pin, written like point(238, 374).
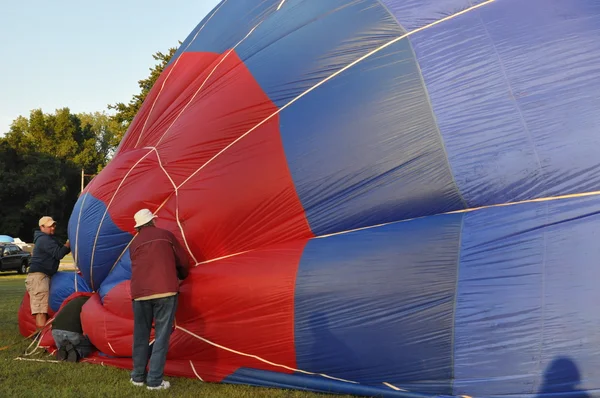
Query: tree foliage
point(42, 156)
point(41, 159)
point(125, 113)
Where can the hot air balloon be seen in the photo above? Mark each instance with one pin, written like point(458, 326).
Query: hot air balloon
point(381, 197)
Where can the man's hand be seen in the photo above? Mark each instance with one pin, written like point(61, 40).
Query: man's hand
point(68, 244)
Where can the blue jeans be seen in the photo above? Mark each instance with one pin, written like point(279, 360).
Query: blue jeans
point(82, 344)
point(162, 310)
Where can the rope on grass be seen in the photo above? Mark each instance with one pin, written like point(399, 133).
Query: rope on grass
point(37, 360)
point(36, 341)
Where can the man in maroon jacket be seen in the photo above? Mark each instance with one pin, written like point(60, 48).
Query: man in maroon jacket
point(158, 261)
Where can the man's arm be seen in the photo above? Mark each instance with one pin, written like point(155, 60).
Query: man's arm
point(182, 260)
point(55, 249)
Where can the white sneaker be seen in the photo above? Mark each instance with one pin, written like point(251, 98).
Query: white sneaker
point(136, 383)
point(163, 386)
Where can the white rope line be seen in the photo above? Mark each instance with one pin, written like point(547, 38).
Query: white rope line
point(204, 82)
point(176, 206)
point(274, 113)
point(469, 210)
point(181, 228)
point(172, 69)
point(154, 149)
point(196, 373)
point(389, 43)
point(393, 387)
point(104, 216)
point(261, 359)
point(161, 166)
point(202, 27)
point(134, 236)
point(161, 138)
point(546, 199)
point(37, 360)
point(122, 253)
point(221, 258)
point(131, 241)
point(76, 257)
point(138, 140)
point(111, 347)
point(39, 338)
point(155, 101)
point(76, 260)
point(36, 341)
point(280, 4)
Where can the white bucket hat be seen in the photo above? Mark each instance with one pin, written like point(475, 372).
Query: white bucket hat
point(142, 217)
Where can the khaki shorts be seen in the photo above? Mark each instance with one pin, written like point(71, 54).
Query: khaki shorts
point(38, 287)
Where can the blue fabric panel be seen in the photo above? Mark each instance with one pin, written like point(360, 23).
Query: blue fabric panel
point(121, 273)
point(63, 285)
point(515, 87)
point(227, 24)
point(376, 305)
point(314, 383)
point(415, 14)
point(571, 325)
point(110, 240)
point(72, 226)
point(527, 275)
point(309, 40)
point(498, 301)
point(371, 152)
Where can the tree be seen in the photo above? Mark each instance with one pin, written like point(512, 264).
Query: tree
point(42, 156)
point(126, 113)
point(41, 161)
point(99, 131)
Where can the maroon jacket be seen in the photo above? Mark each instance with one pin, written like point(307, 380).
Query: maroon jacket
point(157, 262)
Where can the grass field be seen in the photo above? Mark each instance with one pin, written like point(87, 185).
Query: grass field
point(35, 379)
point(68, 259)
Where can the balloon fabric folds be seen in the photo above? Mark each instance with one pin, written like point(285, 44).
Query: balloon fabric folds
point(381, 197)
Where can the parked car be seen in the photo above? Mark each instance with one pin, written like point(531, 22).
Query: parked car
point(13, 258)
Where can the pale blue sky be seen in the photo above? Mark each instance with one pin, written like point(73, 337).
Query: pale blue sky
point(84, 54)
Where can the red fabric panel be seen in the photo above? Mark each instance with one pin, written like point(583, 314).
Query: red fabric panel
point(244, 303)
point(26, 320)
point(245, 198)
point(230, 103)
point(118, 301)
point(232, 206)
point(146, 186)
point(110, 333)
point(180, 80)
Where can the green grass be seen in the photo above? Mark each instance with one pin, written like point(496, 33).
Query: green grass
point(68, 259)
point(36, 379)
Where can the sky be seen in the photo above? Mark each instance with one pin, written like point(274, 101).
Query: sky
point(84, 54)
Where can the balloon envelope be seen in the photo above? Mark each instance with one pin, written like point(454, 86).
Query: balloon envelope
point(380, 197)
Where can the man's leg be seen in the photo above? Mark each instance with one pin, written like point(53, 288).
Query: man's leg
point(38, 287)
point(80, 343)
point(142, 325)
point(40, 320)
point(164, 315)
point(61, 340)
point(85, 347)
point(59, 337)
